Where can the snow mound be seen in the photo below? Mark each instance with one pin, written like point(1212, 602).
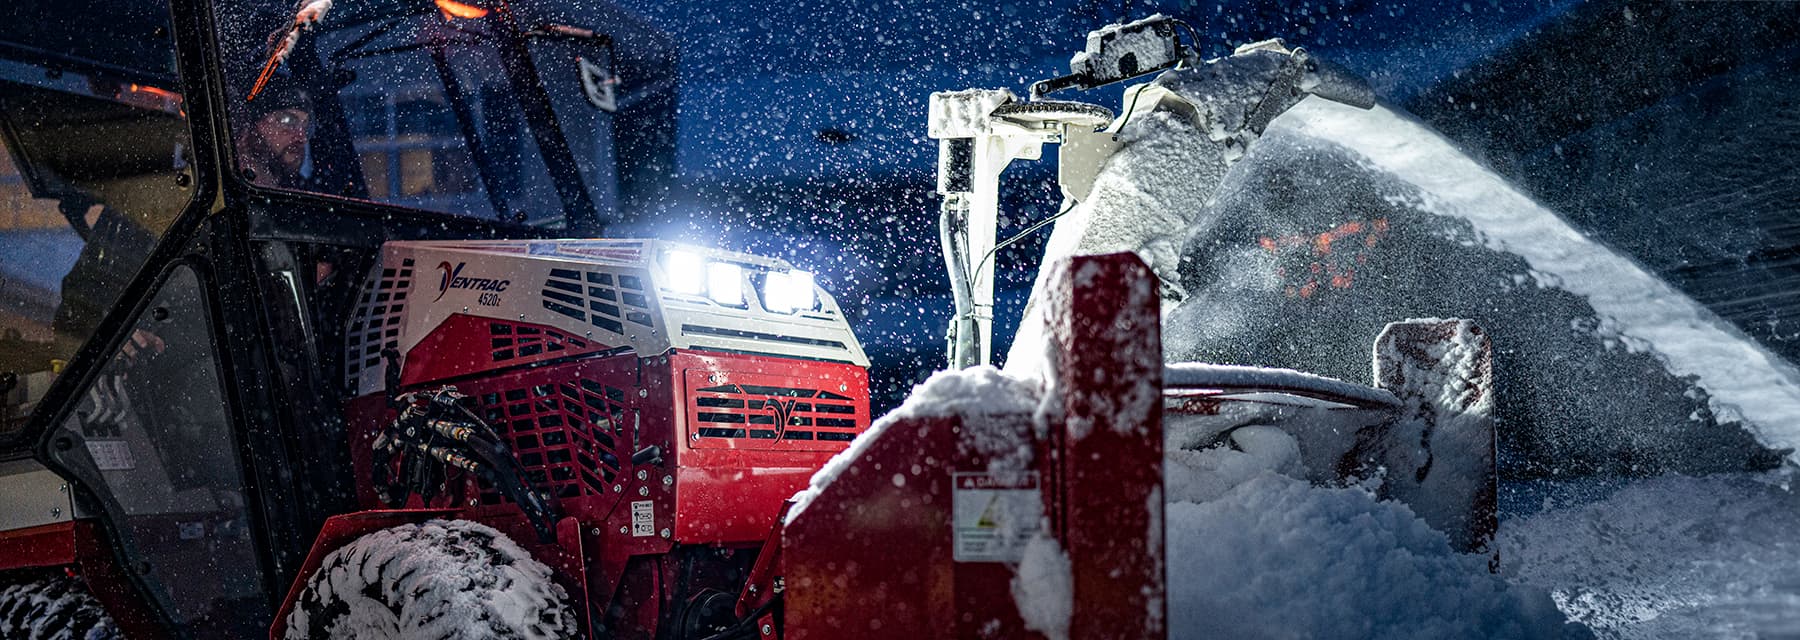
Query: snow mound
point(1277, 557)
point(1667, 557)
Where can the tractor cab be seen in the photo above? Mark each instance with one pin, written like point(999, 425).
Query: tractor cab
point(195, 196)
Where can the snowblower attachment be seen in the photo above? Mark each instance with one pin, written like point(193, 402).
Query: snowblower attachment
point(1439, 450)
point(1423, 435)
point(981, 131)
point(978, 512)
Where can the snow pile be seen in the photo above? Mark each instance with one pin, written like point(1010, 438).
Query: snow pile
point(989, 402)
point(1256, 549)
point(1276, 557)
point(1667, 557)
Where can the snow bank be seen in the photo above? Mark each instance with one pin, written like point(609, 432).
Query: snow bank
point(1667, 557)
point(1276, 557)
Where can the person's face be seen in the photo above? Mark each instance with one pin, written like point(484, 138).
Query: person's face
point(284, 134)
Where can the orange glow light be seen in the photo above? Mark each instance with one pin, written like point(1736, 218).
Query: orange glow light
point(454, 9)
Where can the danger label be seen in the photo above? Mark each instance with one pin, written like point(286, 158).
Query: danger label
point(993, 516)
point(643, 518)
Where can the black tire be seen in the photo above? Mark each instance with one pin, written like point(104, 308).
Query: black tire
point(440, 580)
point(52, 607)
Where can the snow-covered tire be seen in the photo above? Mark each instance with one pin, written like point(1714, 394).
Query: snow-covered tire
point(52, 607)
point(440, 580)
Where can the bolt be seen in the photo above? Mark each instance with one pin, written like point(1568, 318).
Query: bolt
point(643, 393)
point(668, 480)
point(695, 436)
point(643, 475)
point(843, 387)
point(643, 491)
point(617, 488)
point(594, 531)
point(64, 488)
point(766, 630)
point(55, 512)
point(665, 533)
point(621, 529)
point(474, 502)
point(752, 589)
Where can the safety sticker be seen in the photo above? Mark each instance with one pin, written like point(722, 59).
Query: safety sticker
point(111, 455)
point(643, 518)
point(994, 515)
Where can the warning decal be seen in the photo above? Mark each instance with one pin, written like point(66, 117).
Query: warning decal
point(994, 515)
point(643, 518)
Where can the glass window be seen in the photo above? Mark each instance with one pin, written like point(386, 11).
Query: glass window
point(153, 437)
point(93, 170)
point(418, 109)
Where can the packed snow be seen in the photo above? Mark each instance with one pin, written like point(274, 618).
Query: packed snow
point(1667, 557)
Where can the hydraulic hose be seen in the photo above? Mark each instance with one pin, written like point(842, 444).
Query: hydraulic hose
point(963, 335)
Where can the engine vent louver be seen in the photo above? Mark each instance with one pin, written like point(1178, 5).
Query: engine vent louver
point(600, 299)
point(568, 436)
point(757, 412)
point(375, 323)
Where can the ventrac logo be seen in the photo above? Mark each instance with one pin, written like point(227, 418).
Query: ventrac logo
point(452, 278)
point(784, 415)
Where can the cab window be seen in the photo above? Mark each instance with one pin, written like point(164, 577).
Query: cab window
point(409, 104)
point(94, 167)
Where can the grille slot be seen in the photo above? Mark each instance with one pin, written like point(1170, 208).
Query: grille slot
point(765, 415)
point(375, 323)
point(565, 435)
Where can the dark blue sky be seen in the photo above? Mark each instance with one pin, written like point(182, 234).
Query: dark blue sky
point(760, 81)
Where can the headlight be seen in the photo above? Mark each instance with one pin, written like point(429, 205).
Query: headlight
point(789, 292)
point(725, 283)
point(687, 272)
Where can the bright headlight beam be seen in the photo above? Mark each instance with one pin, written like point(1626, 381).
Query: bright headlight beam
point(725, 283)
point(789, 292)
point(686, 271)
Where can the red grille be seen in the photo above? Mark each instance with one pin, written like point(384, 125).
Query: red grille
point(766, 412)
point(513, 341)
point(565, 434)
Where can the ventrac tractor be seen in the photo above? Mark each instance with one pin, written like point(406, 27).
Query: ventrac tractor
point(311, 333)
